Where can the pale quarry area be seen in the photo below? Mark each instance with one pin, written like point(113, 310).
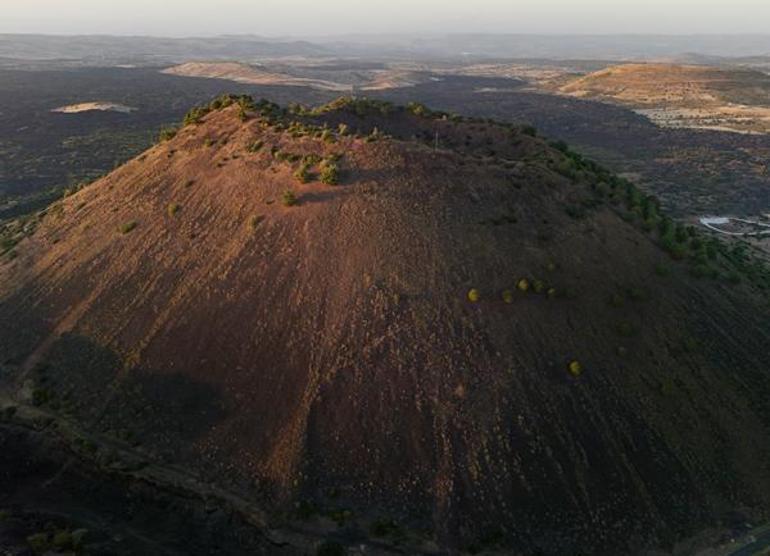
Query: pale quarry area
point(94, 107)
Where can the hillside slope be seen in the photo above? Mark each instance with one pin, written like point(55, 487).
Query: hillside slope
point(467, 335)
point(684, 96)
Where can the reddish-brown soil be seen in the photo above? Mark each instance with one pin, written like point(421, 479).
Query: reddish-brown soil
point(327, 353)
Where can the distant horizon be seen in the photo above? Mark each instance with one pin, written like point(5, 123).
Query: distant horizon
point(619, 46)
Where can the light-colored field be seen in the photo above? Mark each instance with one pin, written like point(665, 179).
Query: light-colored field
point(735, 118)
point(340, 80)
point(533, 74)
point(698, 97)
point(394, 79)
point(243, 73)
point(94, 107)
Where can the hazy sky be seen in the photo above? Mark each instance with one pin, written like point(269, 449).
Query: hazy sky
point(326, 17)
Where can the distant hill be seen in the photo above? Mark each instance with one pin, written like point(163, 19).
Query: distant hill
point(684, 95)
point(104, 49)
point(336, 79)
point(109, 50)
point(390, 325)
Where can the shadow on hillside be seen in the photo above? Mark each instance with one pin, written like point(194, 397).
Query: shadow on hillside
point(312, 197)
point(167, 410)
point(40, 483)
point(77, 377)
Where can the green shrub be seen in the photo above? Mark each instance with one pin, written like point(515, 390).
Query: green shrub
point(285, 156)
point(712, 250)
point(195, 115)
point(375, 135)
point(303, 173)
point(680, 233)
point(676, 250)
point(7, 243)
point(127, 227)
point(246, 102)
point(649, 208)
point(172, 209)
point(633, 197)
point(665, 226)
point(560, 146)
point(39, 542)
point(167, 133)
point(575, 368)
point(78, 538)
point(418, 109)
point(289, 199)
point(62, 539)
point(330, 174)
point(256, 146)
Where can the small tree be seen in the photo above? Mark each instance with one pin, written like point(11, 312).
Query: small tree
point(167, 133)
point(289, 199)
point(330, 174)
point(127, 227)
point(575, 368)
point(681, 234)
point(302, 174)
